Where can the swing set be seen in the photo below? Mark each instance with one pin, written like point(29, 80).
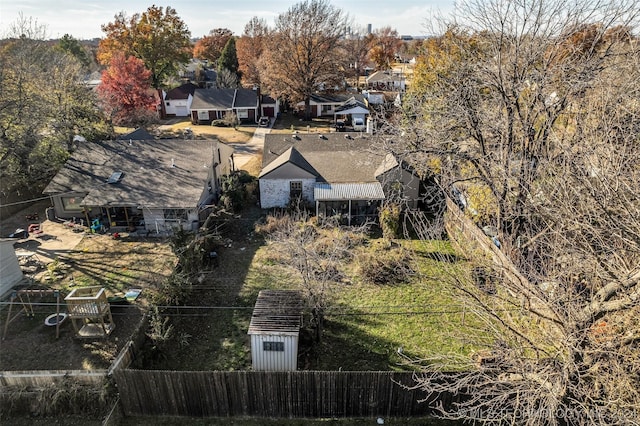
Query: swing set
point(23, 297)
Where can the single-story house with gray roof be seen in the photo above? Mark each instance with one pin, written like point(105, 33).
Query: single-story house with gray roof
point(214, 104)
point(340, 173)
point(152, 185)
point(330, 104)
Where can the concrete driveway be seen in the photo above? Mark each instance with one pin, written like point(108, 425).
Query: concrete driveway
point(245, 151)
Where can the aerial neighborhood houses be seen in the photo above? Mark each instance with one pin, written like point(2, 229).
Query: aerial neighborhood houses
point(140, 183)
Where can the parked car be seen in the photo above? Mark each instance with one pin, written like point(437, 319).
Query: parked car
point(358, 125)
point(340, 126)
point(263, 121)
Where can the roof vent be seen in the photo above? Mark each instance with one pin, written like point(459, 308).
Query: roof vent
point(348, 137)
point(322, 136)
point(115, 177)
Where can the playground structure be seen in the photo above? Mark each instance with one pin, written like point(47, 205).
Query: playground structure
point(23, 299)
point(90, 313)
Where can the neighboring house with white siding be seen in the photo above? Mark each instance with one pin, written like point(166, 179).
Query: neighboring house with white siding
point(147, 185)
point(342, 174)
point(177, 101)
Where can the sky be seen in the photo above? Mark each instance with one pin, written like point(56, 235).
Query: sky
point(82, 19)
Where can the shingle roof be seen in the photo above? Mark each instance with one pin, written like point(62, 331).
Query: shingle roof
point(246, 98)
point(224, 99)
point(381, 77)
point(352, 103)
point(139, 134)
point(217, 99)
point(148, 178)
point(289, 156)
point(335, 157)
point(181, 92)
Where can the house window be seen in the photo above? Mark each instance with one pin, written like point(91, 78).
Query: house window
point(243, 113)
point(326, 108)
point(71, 203)
point(175, 214)
point(203, 115)
point(295, 188)
point(273, 346)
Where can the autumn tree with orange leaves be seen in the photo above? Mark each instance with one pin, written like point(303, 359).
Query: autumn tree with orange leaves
point(384, 45)
point(126, 92)
point(210, 46)
point(158, 37)
point(249, 49)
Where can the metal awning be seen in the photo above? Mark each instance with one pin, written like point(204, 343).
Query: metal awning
point(348, 191)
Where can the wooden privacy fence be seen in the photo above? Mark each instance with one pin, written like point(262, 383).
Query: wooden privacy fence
point(302, 394)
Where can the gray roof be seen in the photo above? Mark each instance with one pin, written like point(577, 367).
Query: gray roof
point(213, 99)
point(224, 99)
point(382, 77)
point(181, 92)
point(335, 157)
point(289, 156)
point(138, 134)
point(352, 103)
point(246, 98)
point(167, 173)
point(277, 312)
point(335, 98)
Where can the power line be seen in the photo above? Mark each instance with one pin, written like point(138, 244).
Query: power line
point(331, 311)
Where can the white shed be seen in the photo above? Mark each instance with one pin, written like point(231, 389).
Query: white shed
point(275, 329)
point(10, 272)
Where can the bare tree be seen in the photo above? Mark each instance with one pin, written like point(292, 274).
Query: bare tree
point(302, 52)
point(528, 112)
point(356, 46)
point(316, 253)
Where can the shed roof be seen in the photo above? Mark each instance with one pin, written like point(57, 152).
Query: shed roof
point(277, 312)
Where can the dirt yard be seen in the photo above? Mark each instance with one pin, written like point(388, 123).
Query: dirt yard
point(63, 258)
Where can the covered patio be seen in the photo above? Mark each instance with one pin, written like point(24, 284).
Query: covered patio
point(354, 203)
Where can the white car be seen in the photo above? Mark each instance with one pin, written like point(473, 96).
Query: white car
point(263, 122)
point(358, 125)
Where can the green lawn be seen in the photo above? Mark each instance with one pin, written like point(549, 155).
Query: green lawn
point(368, 326)
point(380, 327)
